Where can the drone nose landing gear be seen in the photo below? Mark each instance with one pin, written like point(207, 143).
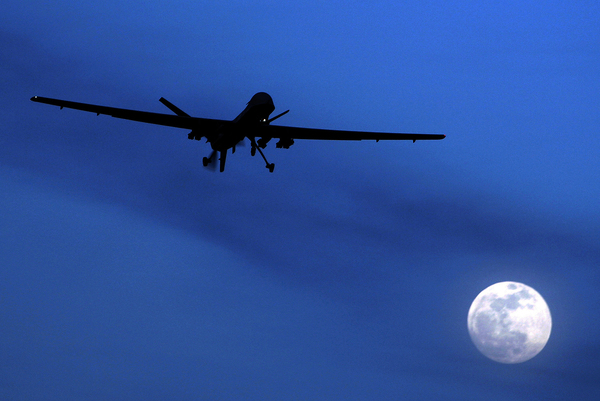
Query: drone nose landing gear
point(255, 147)
point(209, 160)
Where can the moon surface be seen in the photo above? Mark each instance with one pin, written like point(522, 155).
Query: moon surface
point(509, 322)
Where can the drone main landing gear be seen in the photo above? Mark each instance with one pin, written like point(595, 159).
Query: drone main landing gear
point(255, 147)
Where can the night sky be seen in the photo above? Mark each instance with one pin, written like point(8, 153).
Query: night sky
point(130, 272)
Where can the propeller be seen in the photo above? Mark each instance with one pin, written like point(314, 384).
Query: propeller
point(211, 161)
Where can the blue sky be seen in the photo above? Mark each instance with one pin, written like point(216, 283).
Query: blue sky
point(128, 271)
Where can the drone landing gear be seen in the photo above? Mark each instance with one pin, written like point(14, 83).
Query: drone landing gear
point(255, 147)
point(208, 160)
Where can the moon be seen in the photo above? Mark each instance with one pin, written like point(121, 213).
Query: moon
point(509, 322)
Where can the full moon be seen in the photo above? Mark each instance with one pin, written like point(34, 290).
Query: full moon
point(509, 322)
